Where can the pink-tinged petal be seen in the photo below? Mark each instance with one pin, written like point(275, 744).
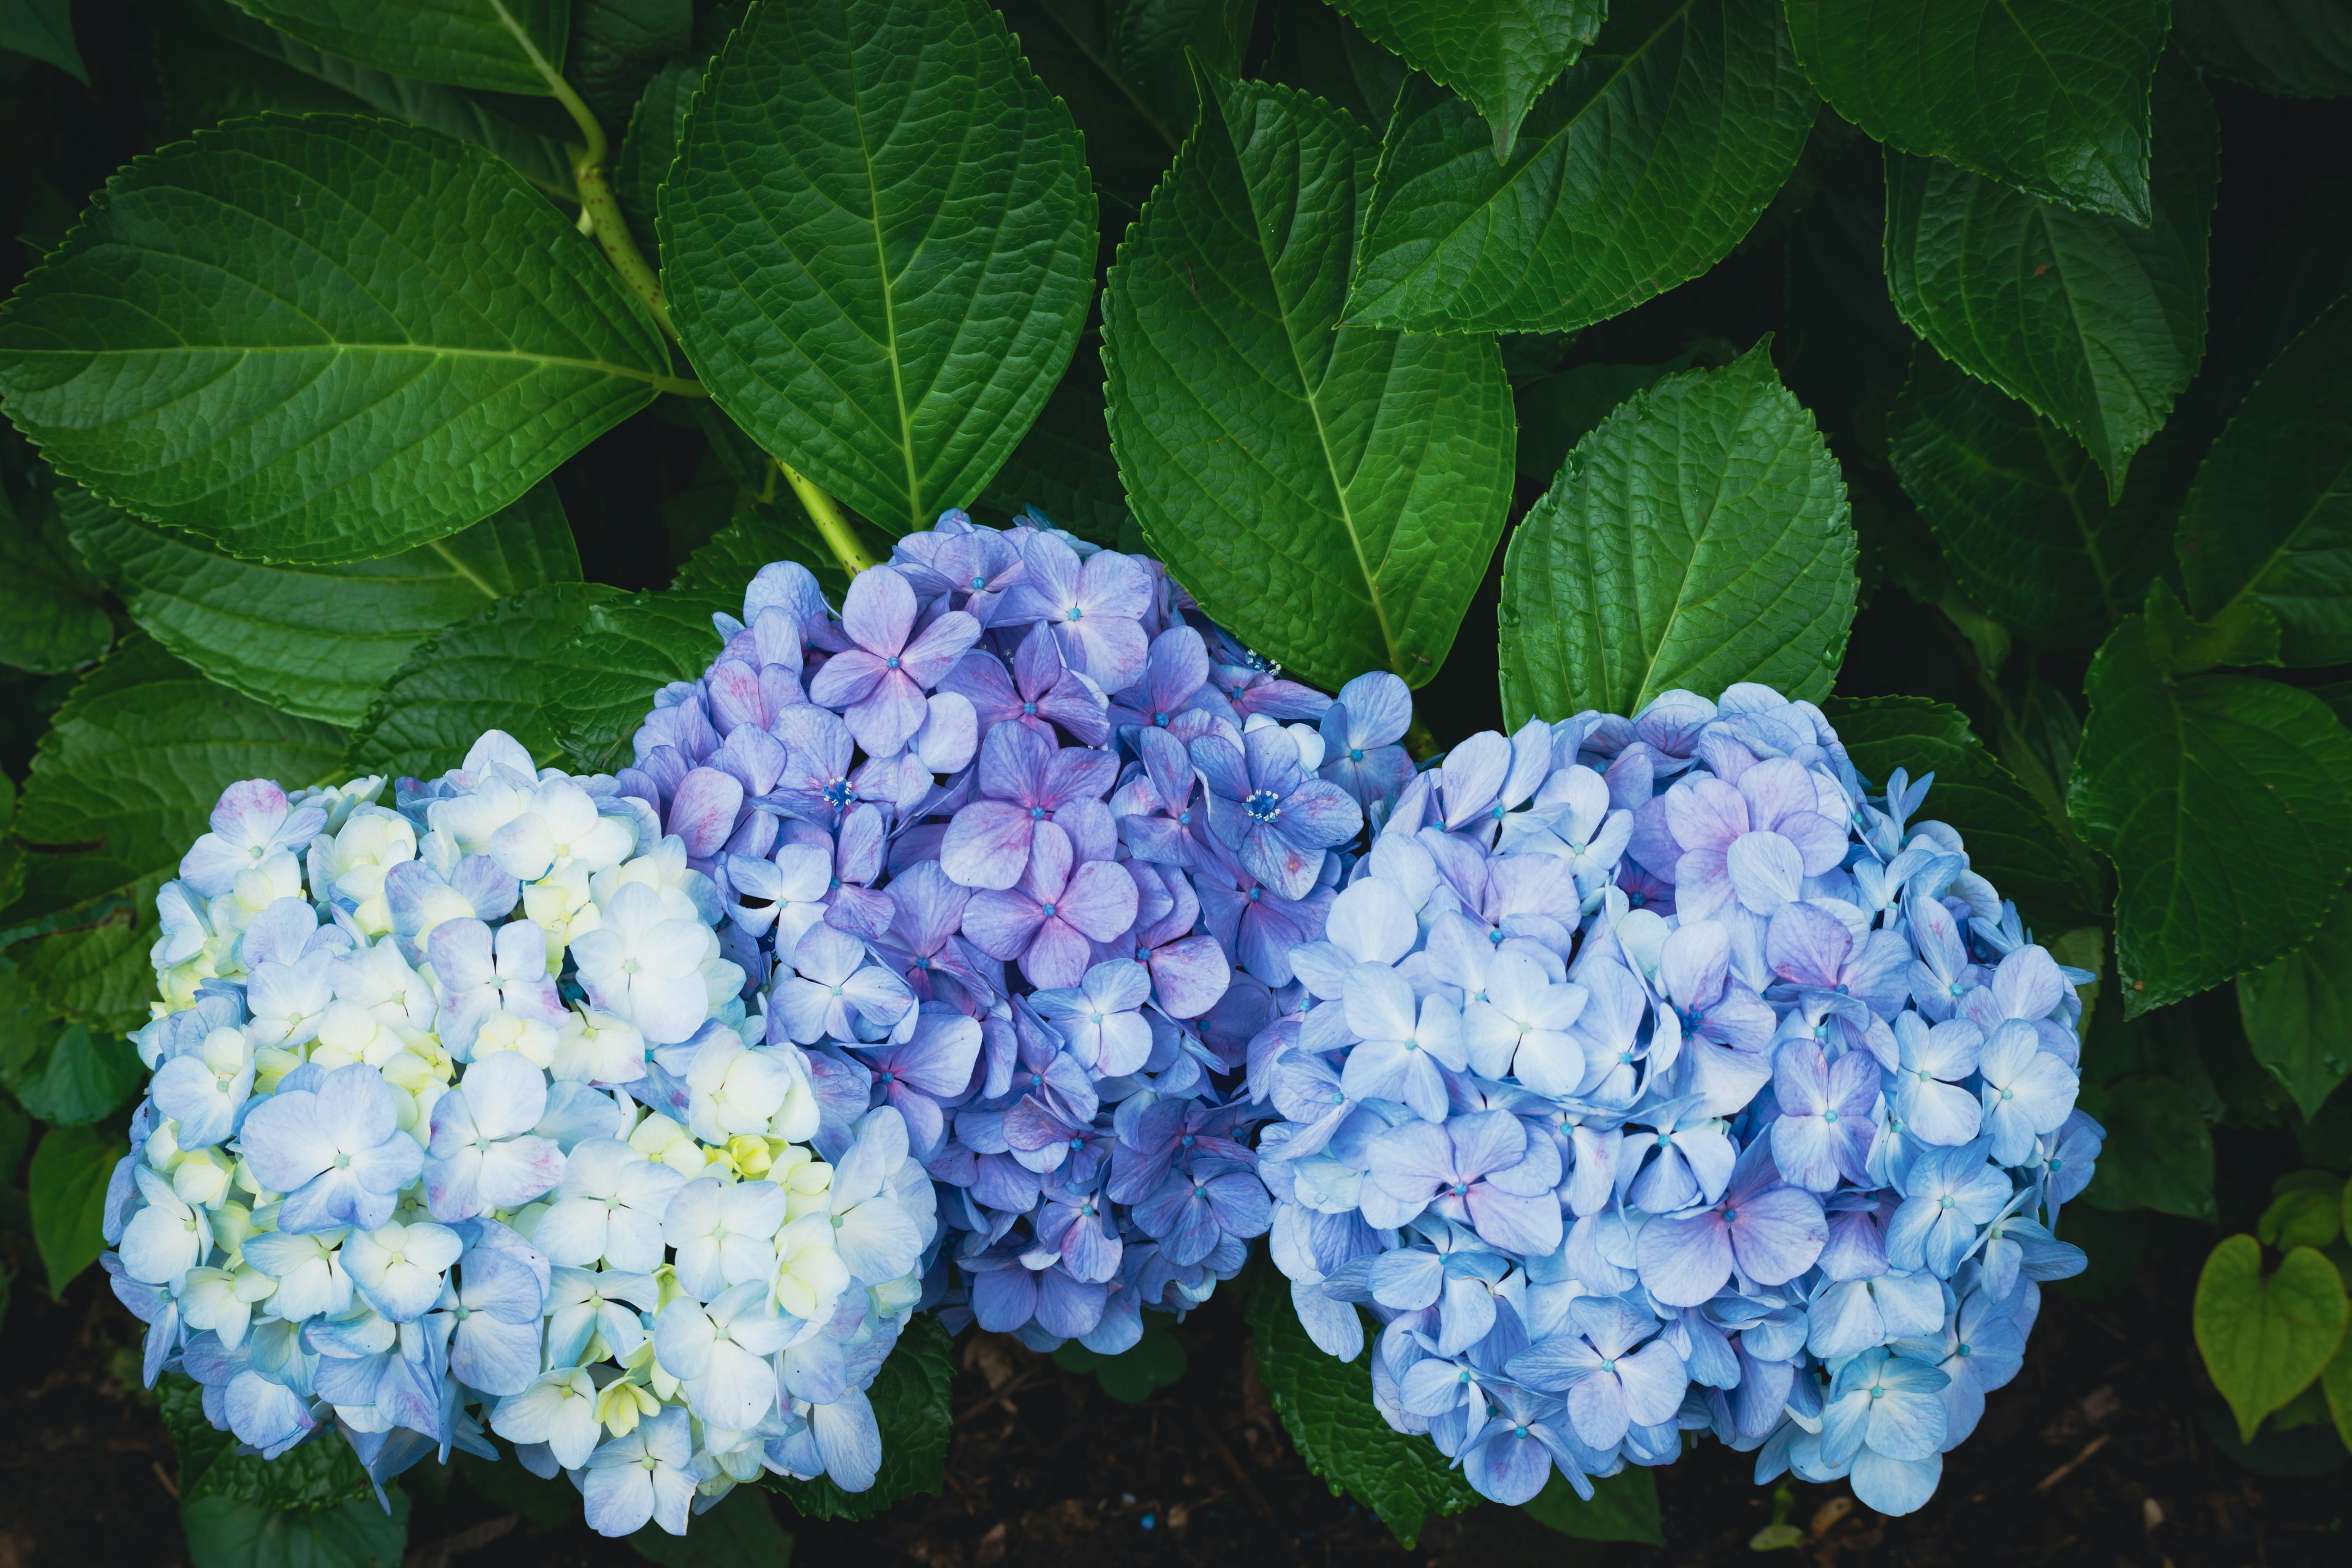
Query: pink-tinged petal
point(1318, 815)
point(703, 814)
point(1076, 773)
point(1002, 924)
point(732, 689)
point(1683, 1262)
point(980, 677)
point(846, 679)
point(1079, 706)
point(1012, 761)
point(888, 715)
point(1056, 955)
point(1774, 789)
point(1178, 668)
point(879, 612)
point(1776, 1236)
point(1819, 841)
point(987, 845)
point(1189, 977)
point(1110, 584)
point(1220, 761)
point(1693, 962)
point(1801, 1079)
point(1702, 880)
point(1099, 899)
point(1808, 945)
point(941, 645)
point(1705, 814)
point(1282, 866)
point(1051, 855)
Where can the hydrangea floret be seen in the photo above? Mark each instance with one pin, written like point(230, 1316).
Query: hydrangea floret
point(1654, 1075)
point(459, 1120)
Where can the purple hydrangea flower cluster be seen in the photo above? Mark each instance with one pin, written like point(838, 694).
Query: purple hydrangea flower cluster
point(1019, 845)
point(1651, 1076)
point(459, 1120)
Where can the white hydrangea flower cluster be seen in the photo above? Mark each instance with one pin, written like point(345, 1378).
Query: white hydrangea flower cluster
point(457, 1119)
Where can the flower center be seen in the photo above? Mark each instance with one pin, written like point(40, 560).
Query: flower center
point(1036, 813)
point(1354, 754)
point(1029, 708)
point(1263, 805)
point(1077, 612)
point(1049, 911)
point(891, 663)
point(978, 584)
point(837, 793)
point(1160, 719)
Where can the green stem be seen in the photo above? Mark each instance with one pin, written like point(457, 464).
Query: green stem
point(831, 526)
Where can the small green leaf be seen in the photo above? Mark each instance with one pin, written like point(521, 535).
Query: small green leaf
point(43, 29)
point(2288, 48)
point(1330, 493)
point(65, 1075)
point(316, 641)
point(52, 617)
point(1498, 54)
point(651, 145)
point(2052, 98)
point(2019, 508)
point(121, 786)
point(321, 339)
point(1326, 1406)
point(879, 244)
point(1064, 466)
point(67, 1190)
point(742, 1531)
point(505, 46)
point(1624, 1507)
point(2245, 633)
point(598, 685)
point(2011, 839)
point(2095, 323)
point(1639, 169)
point(910, 1405)
point(2298, 1011)
point(2160, 1151)
point(2305, 1215)
point(481, 674)
point(2265, 1341)
point(1697, 537)
point(2223, 803)
point(2270, 517)
point(1136, 1372)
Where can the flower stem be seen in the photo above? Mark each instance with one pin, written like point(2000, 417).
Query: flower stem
point(831, 525)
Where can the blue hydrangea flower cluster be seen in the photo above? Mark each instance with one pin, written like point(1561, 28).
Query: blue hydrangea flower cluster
point(1017, 844)
point(1651, 1076)
point(459, 1118)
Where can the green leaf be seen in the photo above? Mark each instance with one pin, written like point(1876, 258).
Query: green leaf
point(1132, 1376)
point(1624, 1507)
point(321, 339)
point(910, 1405)
point(478, 675)
point(2049, 97)
point(618, 45)
point(67, 1190)
point(651, 145)
point(2288, 48)
point(2095, 323)
point(879, 244)
point(778, 530)
point(2298, 1013)
point(742, 1531)
point(224, 1534)
point(60, 1073)
point(597, 686)
point(1558, 411)
point(196, 1443)
point(2306, 1216)
point(1697, 537)
point(43, 29)
point(1498, 54)
point(505, 46)
point(2223, 803)
point(1326, 1406)
point(215, 62)
point(2335, 1383)
point(2160, 1151)
point(1640, 169)
point(2269, 519)
point(1064, 466)
point(316, 641)
point(2019, 508)
point(121, 786)
point(1330, 493)
point(52, 618)
point(2265, 1341)
point(2011, 839)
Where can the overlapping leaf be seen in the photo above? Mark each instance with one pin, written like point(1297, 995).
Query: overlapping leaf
point(2298, 1013)
point(1064, 467)
point(505, 46)
point(1639, 169)
point(51, 614)
point(321, 339)
point(616, 45)
point(2226, 804)
point(598, 685)
point(879, 244)
point(2094, 322)
point(1697, 537)
point(2050, 97)
point(1498, 54)
point(910, 1406)
point(317, 642)
point(1330, 492)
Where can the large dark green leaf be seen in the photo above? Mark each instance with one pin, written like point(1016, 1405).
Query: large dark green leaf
point(1558, 411)
point(505, 46)
point(2226, 804)
point(878, 243)
point(2270, 517)
point(2289, 48)
point(2096, 323)
point(1498, 54)
point(2298, 1013)
point(598, 687)
point(477, 675)
point(1624, 1507)
point(2011, 839)
point(1335, 62)
point(61, 1073)
point(618, 45)
point(52, 615)
point(316, 641)
point(121, 786)
point(1326, 1406)
point(1697, 537)
point(2160, 1149)
point(910, 1406)
point(321, 339)
point(740, 1530)
point(2051, 97)
point(67, 1190)
point(1640, 169)
point(43, 29)
point(1064, 466)
point(1333, 493)
point(2019, 508)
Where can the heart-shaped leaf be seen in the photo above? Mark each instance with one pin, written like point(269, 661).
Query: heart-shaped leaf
point(2263, 1339)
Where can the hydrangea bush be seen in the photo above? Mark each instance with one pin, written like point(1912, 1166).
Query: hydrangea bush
point(458, 1120)
point(1654, 1075)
